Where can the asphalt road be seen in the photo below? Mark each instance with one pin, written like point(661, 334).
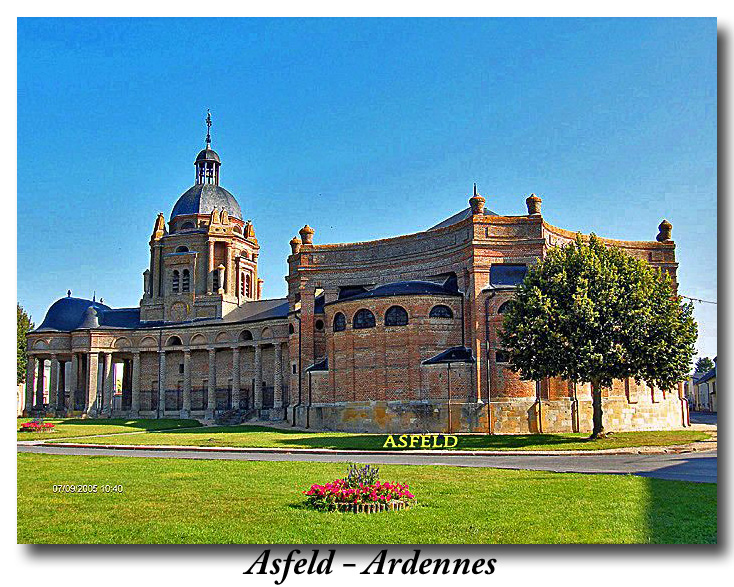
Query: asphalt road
point(693, 466)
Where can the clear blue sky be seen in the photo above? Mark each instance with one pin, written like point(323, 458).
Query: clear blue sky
point(361, 128)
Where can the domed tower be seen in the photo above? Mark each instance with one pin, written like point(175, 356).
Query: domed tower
point(204, 265)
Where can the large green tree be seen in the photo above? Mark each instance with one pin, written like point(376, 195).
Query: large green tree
point(24, 326)
point(590, 314)
point(704, 365)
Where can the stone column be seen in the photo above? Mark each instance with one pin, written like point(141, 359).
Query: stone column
point(258, 378)
point(186, 406)
point(228, 271)
point(161, 382)
point(109, 384)
point(211, 403)
point(92, 383)
point(30, 383)
point(61, 388)
point(135, 399)
point(39, 382)
point(236, 378)
point(210, 269)
point(156, 276)
point(278, 377)
point(73, 383)
point(54, 386)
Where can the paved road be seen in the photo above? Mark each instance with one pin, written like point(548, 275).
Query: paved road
point(692, 466)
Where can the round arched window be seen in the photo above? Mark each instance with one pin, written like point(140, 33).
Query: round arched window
point(246, 335)
point(173, 341)
point(340, 322)
point(188, 225)
point(182, 249)
point(396, 316)
point(291, 330)
point(363, 319)
point(319, 325)
point(441, 311)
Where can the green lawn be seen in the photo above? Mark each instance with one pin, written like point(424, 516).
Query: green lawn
point(211, 501)
point(259, 436)
point(72, 427)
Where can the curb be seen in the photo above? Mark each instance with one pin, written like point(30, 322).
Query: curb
point(675, 449)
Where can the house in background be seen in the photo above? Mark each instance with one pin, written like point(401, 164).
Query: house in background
point(704, 391)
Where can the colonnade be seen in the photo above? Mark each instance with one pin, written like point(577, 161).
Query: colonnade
point(98, 390)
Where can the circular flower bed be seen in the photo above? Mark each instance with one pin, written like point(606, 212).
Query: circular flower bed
point(360, 491)
point(36, 426)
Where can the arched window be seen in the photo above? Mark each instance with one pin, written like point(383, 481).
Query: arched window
point(340, 322)
point(319, 325)
point(247, 285)
point(182, 249)
point(363, 319)
point(173, 341)
point(246, 335)
point(186, 281)
point(396, 316)
point(242, 285)
point(291, 330)
point(215, 280)
point(441, 311)
point(174, 282)
point(504, 307)
point(188, 225)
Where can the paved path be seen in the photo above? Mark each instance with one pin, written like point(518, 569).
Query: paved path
point(693, 466)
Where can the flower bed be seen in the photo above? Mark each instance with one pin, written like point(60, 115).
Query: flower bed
point(360, 491)
point(36, 426)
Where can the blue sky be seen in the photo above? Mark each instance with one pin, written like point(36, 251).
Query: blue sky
point(361, 128)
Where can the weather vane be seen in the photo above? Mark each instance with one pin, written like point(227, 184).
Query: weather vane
point(208, 128)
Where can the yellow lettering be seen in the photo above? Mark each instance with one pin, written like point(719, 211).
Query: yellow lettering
point(448, 438)
point(389, 442)
point(403, 440)
point(437, 444)
point(414, 440)
point(425, 442)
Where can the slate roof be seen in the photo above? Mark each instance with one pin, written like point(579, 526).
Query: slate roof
point(207, 155)
point(457, 354)
point(322, 365)
point(407, 288)
point(707, 377)
point(458, 217)
point(68, 314)
point(202, 198)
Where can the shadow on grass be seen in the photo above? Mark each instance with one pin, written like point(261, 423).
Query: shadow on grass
point(141, 424)
point(316, 439)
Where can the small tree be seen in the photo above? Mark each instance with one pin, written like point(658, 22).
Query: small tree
point(704, 365)
point(592, 314)
point(24, 326)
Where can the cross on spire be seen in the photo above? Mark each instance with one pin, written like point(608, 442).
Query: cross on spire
point(208, 129)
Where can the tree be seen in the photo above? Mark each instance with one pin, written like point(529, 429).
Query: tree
point(590, 314)
point(24, 326)
point(704, 365)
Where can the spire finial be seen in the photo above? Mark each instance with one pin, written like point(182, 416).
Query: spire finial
point(208, 129)
point(475, 188)
point(94, 297)
point(68, 293)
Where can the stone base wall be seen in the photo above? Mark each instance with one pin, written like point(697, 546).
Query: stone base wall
point(512, 416)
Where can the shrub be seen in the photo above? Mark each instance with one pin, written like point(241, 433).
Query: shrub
point(361, 475)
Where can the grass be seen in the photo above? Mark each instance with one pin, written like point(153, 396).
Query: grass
point(214, 501)
point(260, 436)
point(73, 427)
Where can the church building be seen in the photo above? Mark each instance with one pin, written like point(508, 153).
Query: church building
point(392, 335)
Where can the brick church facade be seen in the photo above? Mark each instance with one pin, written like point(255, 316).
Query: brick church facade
point(393, 335)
